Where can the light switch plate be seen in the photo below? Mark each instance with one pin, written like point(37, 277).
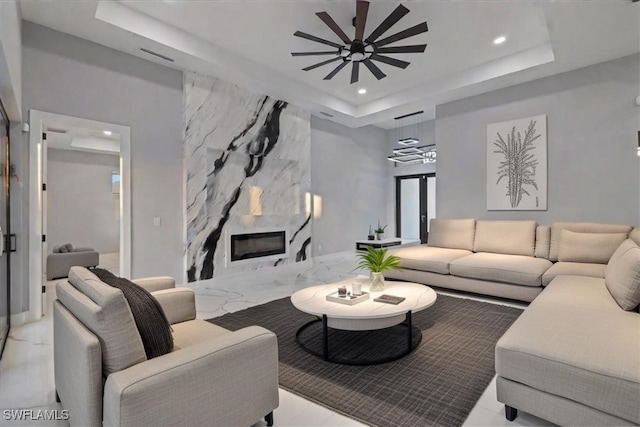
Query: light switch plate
point(157, 221)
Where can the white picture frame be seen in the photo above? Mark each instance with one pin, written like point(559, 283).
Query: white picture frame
point(517, 164)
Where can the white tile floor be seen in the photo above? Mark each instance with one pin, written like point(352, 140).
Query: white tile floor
point(26, 369)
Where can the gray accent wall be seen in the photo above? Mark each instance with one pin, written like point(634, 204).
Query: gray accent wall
point(349, 174)
point(592, 122)
point(66, 75)
point(81, 208)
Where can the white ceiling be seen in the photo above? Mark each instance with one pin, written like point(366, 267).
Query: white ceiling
point(249, 43)
point(65, 136)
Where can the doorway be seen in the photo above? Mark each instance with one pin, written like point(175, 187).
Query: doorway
point(415, 206)
point(41, 126)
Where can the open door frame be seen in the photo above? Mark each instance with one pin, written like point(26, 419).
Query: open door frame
point(37, 119)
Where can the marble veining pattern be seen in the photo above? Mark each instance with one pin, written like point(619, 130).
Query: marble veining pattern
point(246, 160)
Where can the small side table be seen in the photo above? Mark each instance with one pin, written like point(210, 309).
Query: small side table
point(362, 245)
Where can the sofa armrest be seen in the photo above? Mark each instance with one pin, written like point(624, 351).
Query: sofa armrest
point(230, 379)
point(178, 304)
point(158, 283)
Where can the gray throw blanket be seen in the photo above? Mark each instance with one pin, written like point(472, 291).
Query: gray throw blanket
point(152, 323)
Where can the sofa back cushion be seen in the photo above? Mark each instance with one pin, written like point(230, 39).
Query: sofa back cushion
point(452, 233)
point(505, 237)
point(580, 227)
point(622, 275)
point(543, 240)
point(105, 312)
point(635, 235)
point(588, 247)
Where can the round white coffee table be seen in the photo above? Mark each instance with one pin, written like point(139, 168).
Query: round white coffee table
point(368, 315)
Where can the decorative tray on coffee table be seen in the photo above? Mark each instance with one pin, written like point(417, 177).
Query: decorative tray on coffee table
point(347, 299)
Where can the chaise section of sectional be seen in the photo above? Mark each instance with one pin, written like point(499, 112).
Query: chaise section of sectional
point(572, 357)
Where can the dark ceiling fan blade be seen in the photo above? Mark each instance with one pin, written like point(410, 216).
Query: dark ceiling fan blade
point(355, 72)
point(320, 64)
point(409, 32)
point(374, 69)
point(389, 21)
point(391, 61)
point(334, 27)
point(328, 52)
point(336, 70)
point(362, 9)
point(315, 39)
point(415, 48)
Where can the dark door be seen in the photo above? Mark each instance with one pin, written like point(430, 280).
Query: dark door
point(415, 206)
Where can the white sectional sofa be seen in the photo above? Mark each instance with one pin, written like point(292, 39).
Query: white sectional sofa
point(573, 356)
point(508, 259)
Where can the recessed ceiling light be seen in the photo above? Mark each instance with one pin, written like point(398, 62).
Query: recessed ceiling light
point(106, 132)
point(500, 40)
point(362, 91)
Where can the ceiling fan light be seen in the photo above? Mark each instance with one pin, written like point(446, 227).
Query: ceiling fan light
point(357, 56)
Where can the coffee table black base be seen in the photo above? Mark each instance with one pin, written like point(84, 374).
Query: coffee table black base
point(359, 348)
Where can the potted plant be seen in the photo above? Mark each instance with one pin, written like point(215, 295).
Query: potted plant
point(377, 262)
point(380, 231)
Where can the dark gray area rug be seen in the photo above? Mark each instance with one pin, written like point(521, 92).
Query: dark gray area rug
point(436, 385)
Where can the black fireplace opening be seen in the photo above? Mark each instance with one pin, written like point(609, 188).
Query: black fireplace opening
point(256, 245)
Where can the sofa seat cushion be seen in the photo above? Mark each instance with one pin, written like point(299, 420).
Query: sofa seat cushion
point(514, 269)
point(573, 269)
point(427, 258)
point(186, 334)
point(574, 341)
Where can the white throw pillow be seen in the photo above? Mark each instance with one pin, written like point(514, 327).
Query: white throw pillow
point(622, 276)
point(588, 247)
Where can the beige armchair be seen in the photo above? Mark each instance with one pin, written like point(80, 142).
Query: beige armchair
point(212, 377)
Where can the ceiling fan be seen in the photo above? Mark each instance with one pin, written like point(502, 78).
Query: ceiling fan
point(364, 50)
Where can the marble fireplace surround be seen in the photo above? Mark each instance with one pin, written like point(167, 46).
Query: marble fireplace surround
point(247, 167)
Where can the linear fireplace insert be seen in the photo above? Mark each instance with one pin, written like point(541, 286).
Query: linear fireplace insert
point(257, 245)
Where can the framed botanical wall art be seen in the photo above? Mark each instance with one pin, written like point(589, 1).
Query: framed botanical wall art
point(517, 164)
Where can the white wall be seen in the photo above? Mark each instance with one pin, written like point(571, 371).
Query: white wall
point(592, 124)
point(11, 58)
point(349, 174)
point(82, 210)
point(66, 75)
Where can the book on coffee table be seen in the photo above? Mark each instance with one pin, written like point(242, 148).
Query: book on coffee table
point(389, 299)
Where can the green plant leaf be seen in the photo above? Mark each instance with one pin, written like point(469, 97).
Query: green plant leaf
point(377, 260)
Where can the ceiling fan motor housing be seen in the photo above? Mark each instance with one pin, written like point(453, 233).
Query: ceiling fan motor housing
point(357, 50)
